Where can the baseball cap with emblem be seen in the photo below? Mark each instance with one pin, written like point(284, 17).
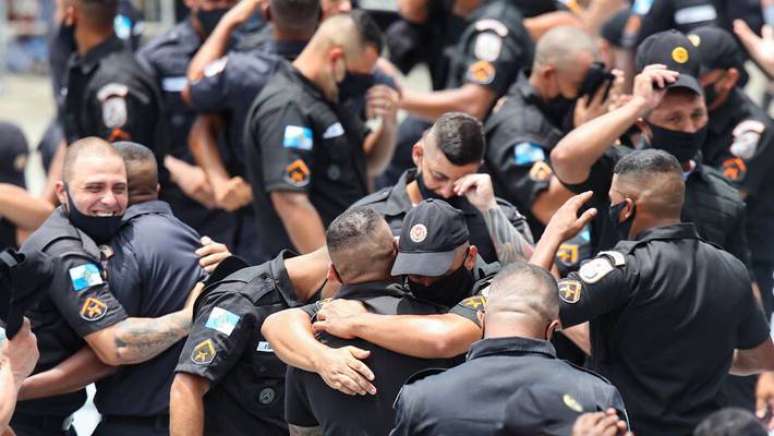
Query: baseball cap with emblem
point(718, 49)
point(677, 52)
point(431, 233)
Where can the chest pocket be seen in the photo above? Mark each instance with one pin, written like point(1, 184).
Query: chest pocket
point(335, 155)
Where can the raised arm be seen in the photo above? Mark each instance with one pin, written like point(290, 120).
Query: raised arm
point(563, 225)
point(382, 104)
point(21, 208)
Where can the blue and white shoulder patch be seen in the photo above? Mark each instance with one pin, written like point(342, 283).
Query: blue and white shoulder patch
point(222, 320)
point(298, 137)
point(85, 276)
point(526, 153)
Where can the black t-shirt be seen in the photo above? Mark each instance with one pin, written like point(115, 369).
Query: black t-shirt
point(666, 312)
point(13, 161)
point(297, 141)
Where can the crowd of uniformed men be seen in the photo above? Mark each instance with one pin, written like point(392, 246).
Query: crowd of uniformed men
point(572, 233)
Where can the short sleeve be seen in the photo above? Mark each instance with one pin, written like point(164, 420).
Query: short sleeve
point(287, 139)
point(82, 295)
point(223, 327)
point(492, 56)
point(297, 409)
point(210, 93)
point(469, 308)
point(405, 411)
point(521, 167)
point(751, 156)
point(599, 180)
point(753, 328)
point(122, 112)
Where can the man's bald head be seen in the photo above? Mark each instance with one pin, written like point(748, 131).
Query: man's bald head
point(524, 297)
point(562, 46)
point(91, 146)
point(141, 171)
point(654, 179)
point(354, 32)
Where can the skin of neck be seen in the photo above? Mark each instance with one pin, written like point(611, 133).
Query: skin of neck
point(307, 273)
point(309, 63)
point(513, 326)
point(646, 221)
point(539, 83)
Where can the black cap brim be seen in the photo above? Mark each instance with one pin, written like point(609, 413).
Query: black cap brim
point(687, 81)
point(423, 264)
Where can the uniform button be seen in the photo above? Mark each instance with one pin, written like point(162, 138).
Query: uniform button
point(262, 369)
point(334, 172)
point(266, 396)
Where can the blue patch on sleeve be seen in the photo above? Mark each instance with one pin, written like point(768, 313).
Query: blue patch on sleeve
point(85, 276)
point(222, 320)
point(298, 137)
point(526, 153)
point(641, 7)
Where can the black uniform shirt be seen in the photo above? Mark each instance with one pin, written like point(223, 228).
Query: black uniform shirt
point(394, 203)
point(471, 399)
point(298, 141)
point(711, 203)
point(153, 269)
point(111, 96)
point(310, 402)
point(667, 311)
point(78, 303)
point(226, 347)
point(13, 161)
point(741, 144)
point(493, 49)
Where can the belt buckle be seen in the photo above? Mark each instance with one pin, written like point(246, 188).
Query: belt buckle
point(67, 423)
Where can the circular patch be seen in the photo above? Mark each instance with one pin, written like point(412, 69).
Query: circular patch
point(695, 39)
point(488, 46)
point(680, 55)
point(418, 233)
point(266, 396)
point(572, 403)
point(482, 72)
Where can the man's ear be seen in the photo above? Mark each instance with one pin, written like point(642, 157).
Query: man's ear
point(333, 275)
point(629, 209)
point(470, 260)
point(552, 327)
point(417, 153)
point(59, 189)
point(69, 14)
point(730, 80)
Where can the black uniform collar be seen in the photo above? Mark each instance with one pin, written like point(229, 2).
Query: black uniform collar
point(282, 283)
point(92, 58)
point(526, 89)
point(187, 36)
point(673, 231)
point(288, 50)
point(722, 118)
point(145, 208)
point(59, 225)
point(314, 90)
point(371, 289)
point(510, 345)
point(398, 202)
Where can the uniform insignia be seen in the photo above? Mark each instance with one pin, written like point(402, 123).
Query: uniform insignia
point(333, 131)
point(526, 153)
point(494, 25)
point(572, 403)
point(475, 302)
point(734, 169)
point(618, 258)
point(695, 39)
point(174, 84)
point(264, 347)
point(20, 162)
point(85, 276)
point(267, 396)
point(216, 67)
point(595, 269)
point(204, 352)
point(297, 173)
point(481, 72)
point(747, 135)
point(222, 320)
point(118, 135)
point(114, 112)
point(487, 47)
point(418, 233)
point(641, 7)
point(334, 172)
point(695, 14)
point(93, 309)
point(568, 254)
point(570, 290)
point(299, 138)
point(540, 172)
point(680, 55)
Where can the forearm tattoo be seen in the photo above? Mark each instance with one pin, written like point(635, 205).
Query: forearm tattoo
point(510, 245)
point(140, 339)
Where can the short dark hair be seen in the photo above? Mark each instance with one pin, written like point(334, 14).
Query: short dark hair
point(134, 153)
point(354, 233)
point(526, 287)
point(731, 421)
point(369, 31)
point(460, 137)
point(101, 13)
point(295, 15)
point(648, 161)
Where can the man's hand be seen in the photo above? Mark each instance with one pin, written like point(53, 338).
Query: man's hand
point(242, 12)
point(192, 181)
point(211, 254)
point(589, 107)
point(566, 223)
point(650, 86)
point(764, 399)
point(599, 424)
point(760, 49)
point(382, 103)
point(233, 194)
point(335, 318)
point(341, 369)
point(195, 292)
point(477, 188)
point(21, 353)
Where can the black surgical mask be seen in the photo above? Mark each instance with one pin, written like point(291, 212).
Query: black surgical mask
point(427, 193)
point(682, 145)
point(355, 85)
point(710, 95)
point(210, 19)
point(99, 228)
point(448, 290)
point(559, 110)
point(622, 228)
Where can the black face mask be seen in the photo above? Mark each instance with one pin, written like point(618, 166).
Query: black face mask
point(710, 95)
point(559, 110)
point(621, 228)
point(448, 290)
point(99, 228)
point(681, 145)
point(355, 85)
point(64, 38)
point(427, 193)
point(210, 19)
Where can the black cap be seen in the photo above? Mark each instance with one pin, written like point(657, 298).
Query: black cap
point(431, 233)
point(718, 49)
point(24, 279)
point(540, 409)
point(13, 154)
point(677, 52)
point(613, 29)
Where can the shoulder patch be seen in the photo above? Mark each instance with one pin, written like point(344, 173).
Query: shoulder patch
point(112, 90)
point(618, 258)
point(298, 137)
point(540, 172)
point(222, 320)
point(204, 352)
point(487, 46)
point(481, 72)
point(572, 403)
point(85, 276)
point(113, 99)
point(264, 347)
point(734, 169)
point(475, 302)
point(297, 173)
point(494, 25)
point(747, 135)
point(570, 290)
point(525, 153)
point(216, 67)
point(641, 7)
point(568, 254)
point(333, 131)
point(93, 309)
point(595, 269)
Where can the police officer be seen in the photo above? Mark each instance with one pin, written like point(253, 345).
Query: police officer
point(675, 118)
point(166, 58)
point(228, 380)
point(108, 94)
point(740, 142)
point(79, 308)
point(447, 158)
point(311, 404)
point(666, 309)
point(309, 158)
point(513, 367)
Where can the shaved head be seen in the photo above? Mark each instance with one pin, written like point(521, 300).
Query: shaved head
point(522, 293)
point(357, 231)
point(91, 146)
point(354, 32)
point(655, 179)
point(562, 46)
